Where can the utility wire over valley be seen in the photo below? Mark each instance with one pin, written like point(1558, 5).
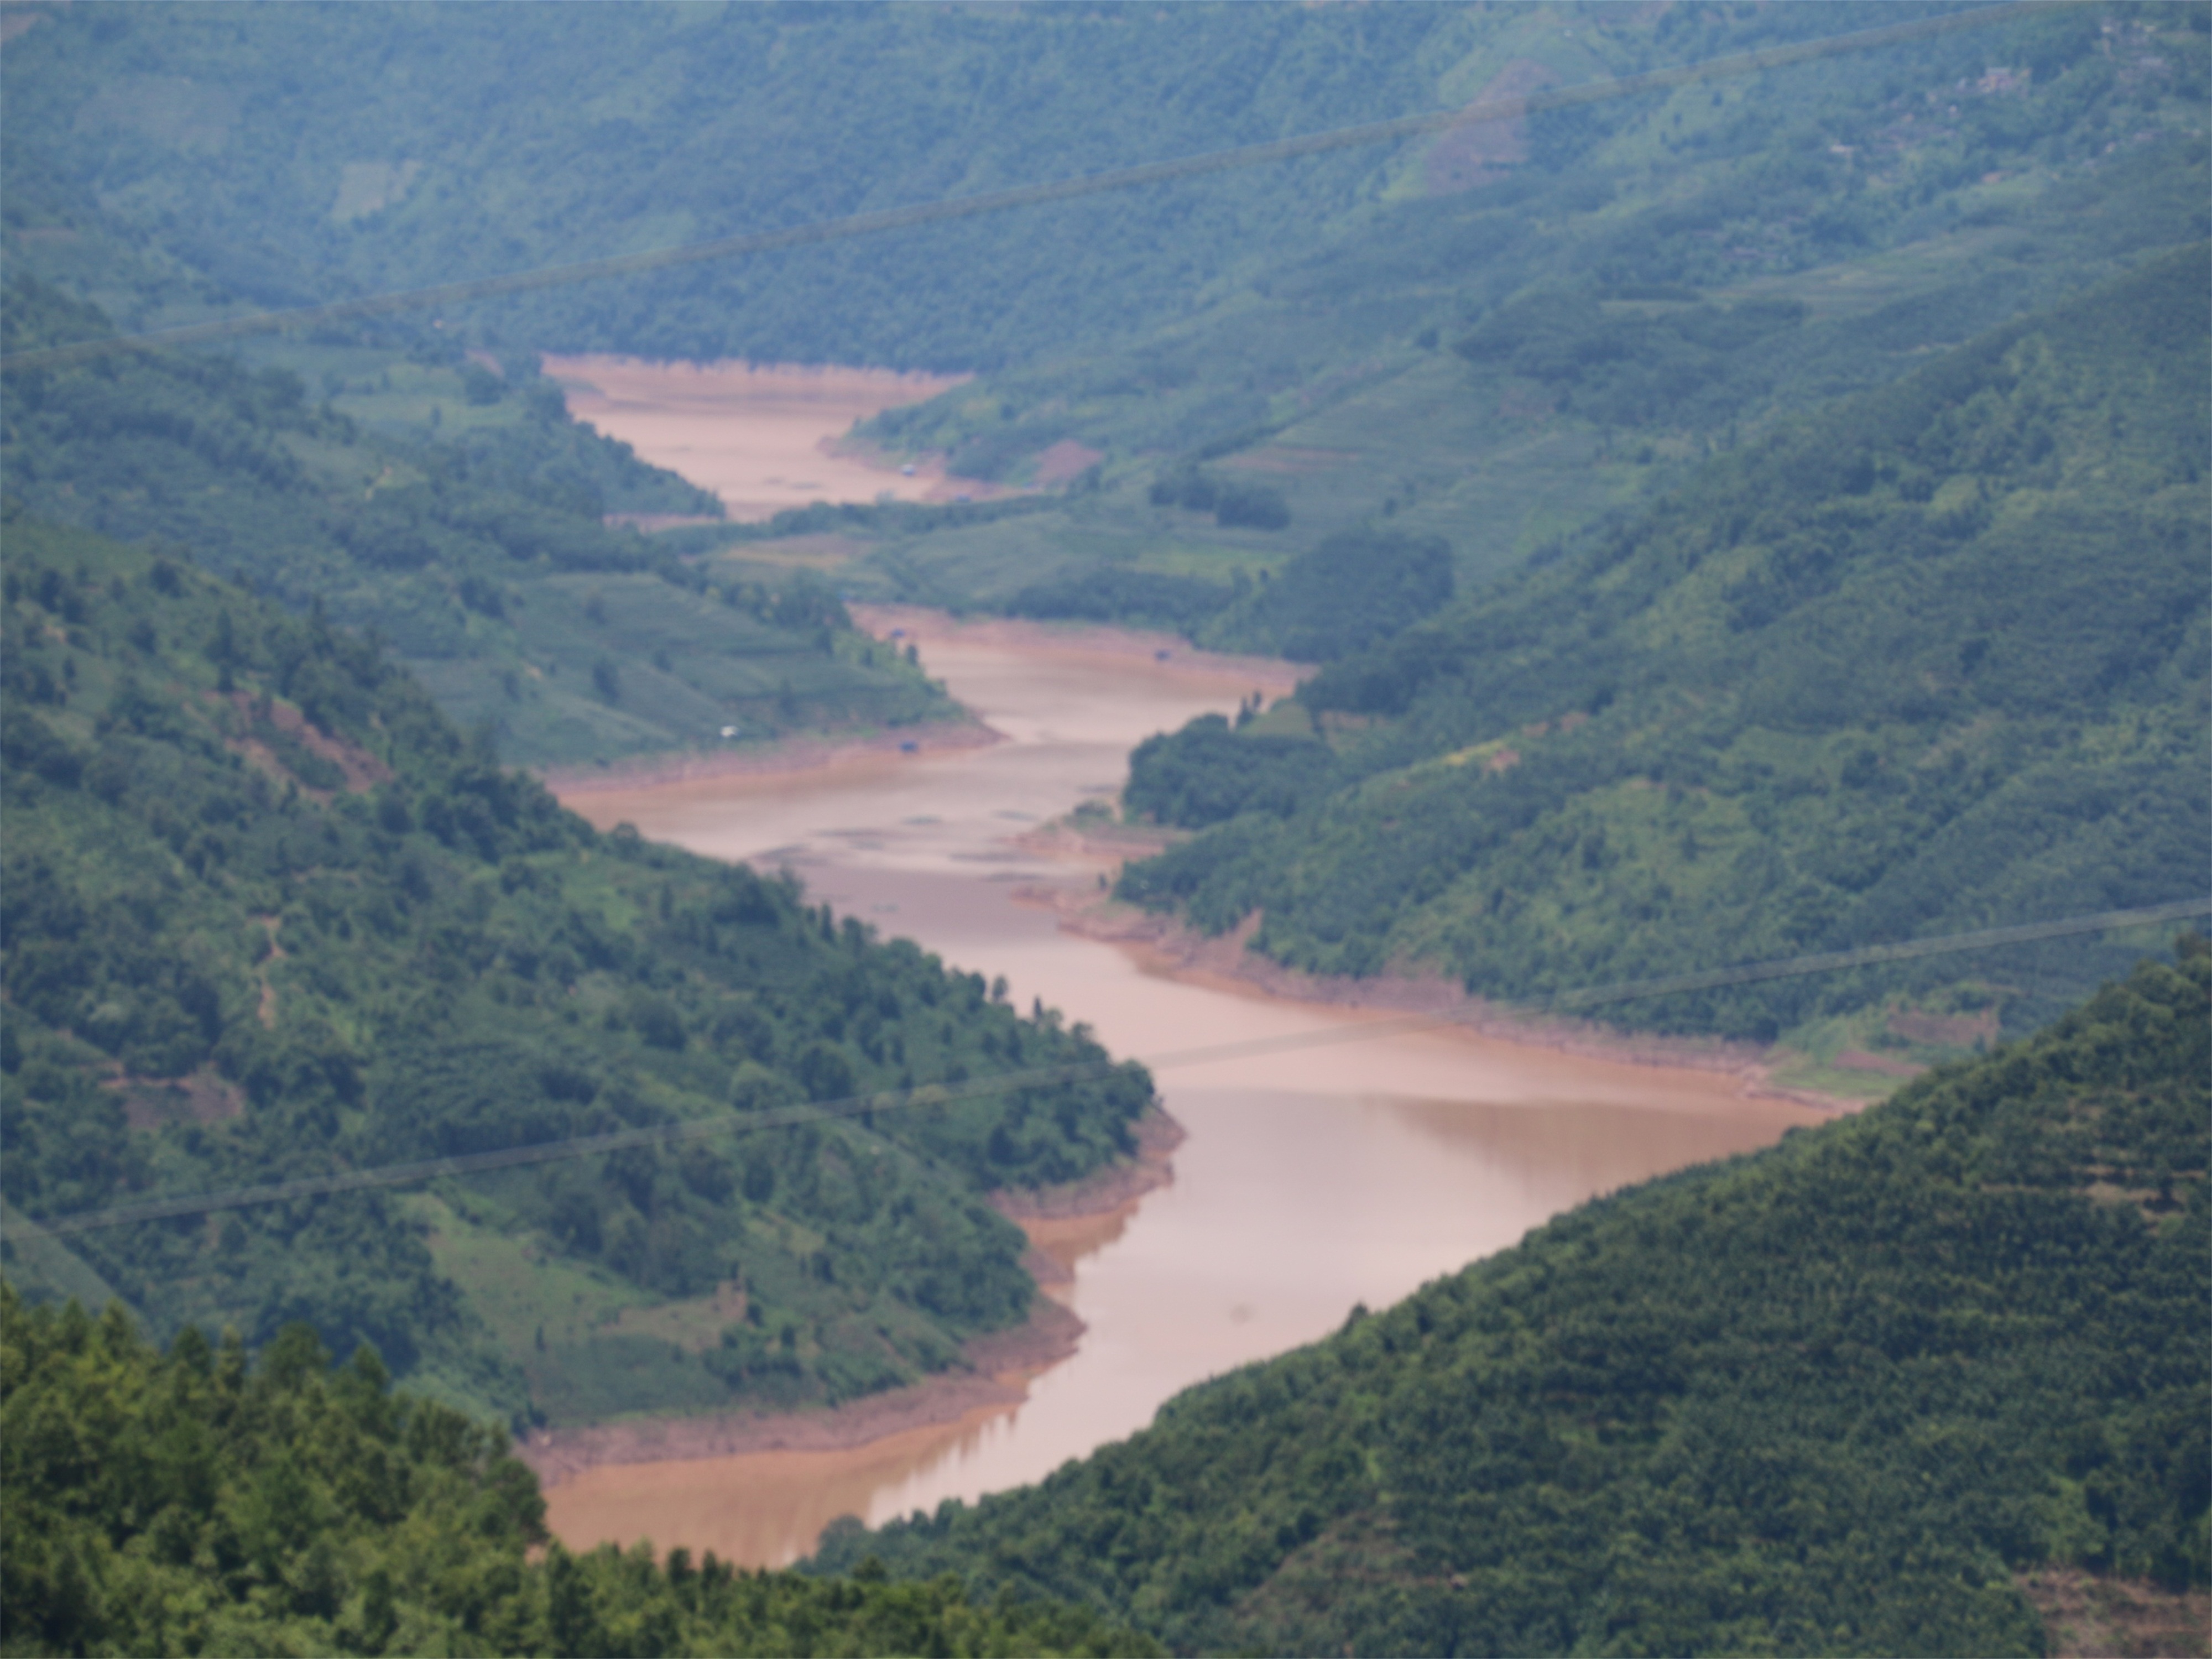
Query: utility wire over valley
point(999, 201)
point(864, 1106)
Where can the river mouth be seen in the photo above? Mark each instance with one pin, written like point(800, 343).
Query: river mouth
point(1313, 1179)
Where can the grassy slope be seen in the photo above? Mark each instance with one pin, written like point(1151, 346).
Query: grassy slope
point(1932, 659)
point(268, 915)
point(1824, 1399)
point(481, 560)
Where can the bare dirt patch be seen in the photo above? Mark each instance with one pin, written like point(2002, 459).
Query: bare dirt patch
point(1066, 461)
point(1479, 151)
point(2088, 1617)
point(156, 1102)
point(363, 770)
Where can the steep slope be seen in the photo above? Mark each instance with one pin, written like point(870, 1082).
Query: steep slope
point(190, 1503)
point(1828, 1398)
point(246, 148)
point(483, 562)
point(267, 915)
point(1617, 296)
point(1933, 659)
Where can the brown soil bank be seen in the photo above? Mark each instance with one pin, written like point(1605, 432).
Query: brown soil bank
point(995, 1368)
point(581, 788)
point(1171, 652)
point(1165, 946)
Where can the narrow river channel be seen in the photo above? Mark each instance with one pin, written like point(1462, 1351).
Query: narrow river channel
point(1310, 1181)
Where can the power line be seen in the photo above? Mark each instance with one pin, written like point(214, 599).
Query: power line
point(999, 201)
point(395, 1175)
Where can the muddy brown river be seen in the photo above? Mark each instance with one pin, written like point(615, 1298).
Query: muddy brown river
point(1311, 1180)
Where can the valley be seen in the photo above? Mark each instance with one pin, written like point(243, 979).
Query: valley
point(1309, 1182)
point(812, 857)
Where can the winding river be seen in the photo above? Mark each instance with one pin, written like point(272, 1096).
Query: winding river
point(1310, 1181)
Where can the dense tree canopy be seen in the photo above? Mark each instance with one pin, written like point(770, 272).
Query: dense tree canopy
point(266, 914)
point(1932, 658)
point(482, 561)
point(1827, 1398)
point(195, 1501)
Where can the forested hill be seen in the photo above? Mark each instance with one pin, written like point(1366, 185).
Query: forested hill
point(1828, 1398)
point(1933, 659)
point(194, 1502)
point(1499, 361)
point(481, 560)
point(268, 915)
point(248, 149)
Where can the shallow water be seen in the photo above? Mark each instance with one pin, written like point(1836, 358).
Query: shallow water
point(763, 437)
point(1311, 1180)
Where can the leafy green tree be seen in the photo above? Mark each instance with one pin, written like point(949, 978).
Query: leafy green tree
point(192, 1501)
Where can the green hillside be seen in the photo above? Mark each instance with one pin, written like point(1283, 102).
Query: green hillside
point(266, 914)
point(246, 146)
point(1825, 1399)
point(480, 558)
point(1506, 365)
point(1497, 338)
point(1931, 659)
point(191, 1503)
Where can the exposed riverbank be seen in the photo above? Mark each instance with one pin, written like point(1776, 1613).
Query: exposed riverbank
point(915, 624)
point(577, 785)
point(1164, 945)
point(994, 1369)
point(671, 776)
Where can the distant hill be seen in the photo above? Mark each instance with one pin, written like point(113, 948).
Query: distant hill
point(1506, 366)
point(192, 1502)
point(251, 152)
point(1836, 1397)
point(1495, 337)
point(266, 914)
point(1933, 659)
point(481, 562)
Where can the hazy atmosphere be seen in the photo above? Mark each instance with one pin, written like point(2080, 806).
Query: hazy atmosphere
point(1105, 829)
